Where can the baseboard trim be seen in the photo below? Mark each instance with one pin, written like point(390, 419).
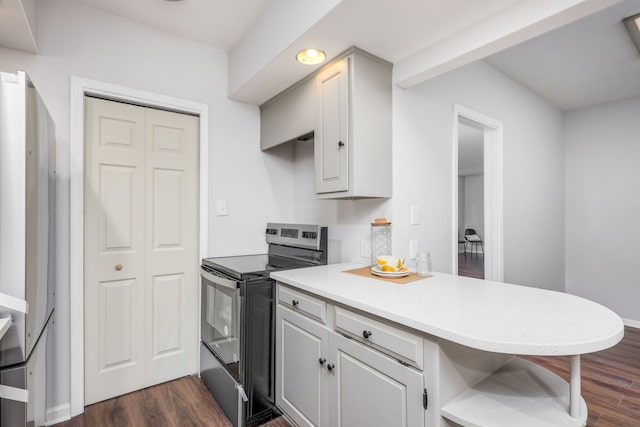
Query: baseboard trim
point(631, 323)
point(58, 414)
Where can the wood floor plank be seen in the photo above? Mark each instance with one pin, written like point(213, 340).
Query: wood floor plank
point(471, 265)
point(610, 381)
point(610, 386)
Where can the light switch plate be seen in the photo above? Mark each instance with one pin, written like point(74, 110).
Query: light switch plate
point(222, 208)
point(415, 215)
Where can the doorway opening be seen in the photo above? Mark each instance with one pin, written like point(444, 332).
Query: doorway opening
point(470, 201)
point(477, 195)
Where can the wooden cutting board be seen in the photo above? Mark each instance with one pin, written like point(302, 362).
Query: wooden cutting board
point(366, 272)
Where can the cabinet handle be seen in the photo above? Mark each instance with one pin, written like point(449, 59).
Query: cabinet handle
point(322, 360)
point(366, 334)
point(118, 267)
point(330, 367)
point(340, 144)
point(295, 302)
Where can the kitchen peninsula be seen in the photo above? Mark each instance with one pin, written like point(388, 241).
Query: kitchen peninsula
point(353, 350)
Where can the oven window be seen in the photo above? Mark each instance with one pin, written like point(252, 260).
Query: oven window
point(221, 323)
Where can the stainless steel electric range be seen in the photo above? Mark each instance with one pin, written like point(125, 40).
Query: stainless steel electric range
point(237, 349)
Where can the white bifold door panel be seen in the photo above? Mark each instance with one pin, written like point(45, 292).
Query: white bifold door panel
point(140, 247)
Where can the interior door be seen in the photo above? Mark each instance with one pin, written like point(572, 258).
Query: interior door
point(140, 243)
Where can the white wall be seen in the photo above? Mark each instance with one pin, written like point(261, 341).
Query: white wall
point(602, 211)
point(533, 170)
point(75, 39)
point(461, 209)
point(474, 206)
point(348, 220)
point(422, 174)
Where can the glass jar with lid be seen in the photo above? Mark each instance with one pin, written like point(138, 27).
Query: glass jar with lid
point(380, 239)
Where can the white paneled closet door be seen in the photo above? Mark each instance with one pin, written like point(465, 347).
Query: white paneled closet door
point(140, 243)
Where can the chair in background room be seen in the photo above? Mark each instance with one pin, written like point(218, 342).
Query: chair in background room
point(473, 239)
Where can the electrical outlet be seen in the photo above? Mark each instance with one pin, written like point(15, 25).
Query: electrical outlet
point(365, 248)
point(413, 249)
point(415, 215)
point(222, 208)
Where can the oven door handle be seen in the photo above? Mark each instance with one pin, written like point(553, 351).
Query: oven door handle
point(218, 280)
point(14, 393)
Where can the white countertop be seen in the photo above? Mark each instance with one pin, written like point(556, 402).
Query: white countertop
point(481, 314)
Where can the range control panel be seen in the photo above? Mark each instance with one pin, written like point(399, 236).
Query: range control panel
point(297, 235)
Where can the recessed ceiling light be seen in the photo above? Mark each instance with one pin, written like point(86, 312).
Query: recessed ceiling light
point(633, 27)
point(311, 56)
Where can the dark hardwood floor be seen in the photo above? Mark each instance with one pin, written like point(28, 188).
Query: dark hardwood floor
point(610, 381)
point(610, 386)
point(183, 402)
point(471, 265)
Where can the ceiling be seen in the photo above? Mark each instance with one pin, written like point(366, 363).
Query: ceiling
point(17, 17)
point(391, 30)
point(218, 23)
point(588, 62)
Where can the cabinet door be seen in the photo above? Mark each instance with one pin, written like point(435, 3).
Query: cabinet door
point(331, 140)
point(301, 389)
point(371, 389)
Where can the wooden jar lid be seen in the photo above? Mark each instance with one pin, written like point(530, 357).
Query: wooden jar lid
point(380, 221)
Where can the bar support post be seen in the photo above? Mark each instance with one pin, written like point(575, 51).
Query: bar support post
point(574, 387)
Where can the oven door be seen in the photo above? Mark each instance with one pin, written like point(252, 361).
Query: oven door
point(220, 324)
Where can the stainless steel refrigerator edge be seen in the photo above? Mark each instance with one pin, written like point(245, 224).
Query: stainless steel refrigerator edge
point(27, 249)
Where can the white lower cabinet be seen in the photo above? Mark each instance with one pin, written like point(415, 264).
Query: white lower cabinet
point(301, 378)
point(371, 389)
point(326, 379)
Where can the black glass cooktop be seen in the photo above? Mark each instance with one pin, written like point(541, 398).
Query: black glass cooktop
point(247, 267)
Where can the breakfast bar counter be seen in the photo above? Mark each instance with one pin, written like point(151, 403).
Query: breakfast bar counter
point(471, 330)
point(481, 314)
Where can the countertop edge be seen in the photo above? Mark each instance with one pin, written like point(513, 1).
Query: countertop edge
point(516, 348)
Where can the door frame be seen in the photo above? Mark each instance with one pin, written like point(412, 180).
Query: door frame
point(493, 190)
point(79, 88)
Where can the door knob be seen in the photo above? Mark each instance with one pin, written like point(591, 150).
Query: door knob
point(118, 267)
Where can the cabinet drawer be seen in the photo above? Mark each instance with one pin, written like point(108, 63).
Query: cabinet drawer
point(395, 342)
point(303, 303)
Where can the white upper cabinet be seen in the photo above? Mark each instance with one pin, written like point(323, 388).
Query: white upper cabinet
point(346, 106)
point(331, 143)
point(288, 115)
point(352, 143)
